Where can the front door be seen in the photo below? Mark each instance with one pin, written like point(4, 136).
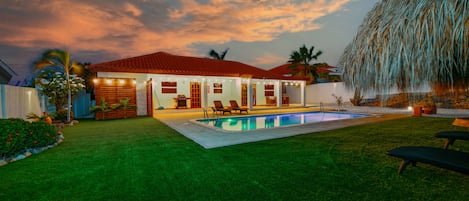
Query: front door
point(244, 94)
point(254, 94)
point(195, 95)
point(149, 98)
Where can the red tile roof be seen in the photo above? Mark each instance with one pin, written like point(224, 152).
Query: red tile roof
point(283, 69)
point(164, 63)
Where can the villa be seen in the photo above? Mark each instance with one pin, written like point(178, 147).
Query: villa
point(162, 80)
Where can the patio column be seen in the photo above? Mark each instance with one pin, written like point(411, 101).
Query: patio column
point(204, 94)
point(250, 96)
point(278, 91)
point(303, 92)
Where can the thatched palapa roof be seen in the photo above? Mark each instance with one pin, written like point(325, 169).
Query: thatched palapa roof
point(407, 44)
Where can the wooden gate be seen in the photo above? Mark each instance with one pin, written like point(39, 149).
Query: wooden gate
point(112, 91)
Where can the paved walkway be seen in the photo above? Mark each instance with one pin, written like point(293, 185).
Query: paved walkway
point(212, 138)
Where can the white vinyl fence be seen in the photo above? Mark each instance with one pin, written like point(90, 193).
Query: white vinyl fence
point(18, 102)
point(322, 93)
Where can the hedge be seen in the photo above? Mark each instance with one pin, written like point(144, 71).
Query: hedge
point(18, 135)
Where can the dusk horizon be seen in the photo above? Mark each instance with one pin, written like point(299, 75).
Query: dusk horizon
point(123, 29)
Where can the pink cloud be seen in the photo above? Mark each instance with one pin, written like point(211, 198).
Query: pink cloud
point(127, 29)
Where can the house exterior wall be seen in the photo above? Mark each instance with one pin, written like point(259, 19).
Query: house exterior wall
point(230, 86)
point(293, 93)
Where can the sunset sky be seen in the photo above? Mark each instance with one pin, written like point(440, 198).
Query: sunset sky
point(261, 33)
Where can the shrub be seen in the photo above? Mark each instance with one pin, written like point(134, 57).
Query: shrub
point(12, 134)
point(16, 135)
point(61, 115)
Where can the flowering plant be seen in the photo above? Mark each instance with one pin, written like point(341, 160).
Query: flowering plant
point(54, 85)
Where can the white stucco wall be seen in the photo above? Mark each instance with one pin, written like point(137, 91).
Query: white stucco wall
point(322, 93)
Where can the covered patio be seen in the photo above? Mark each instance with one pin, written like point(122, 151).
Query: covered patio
point(164, 81)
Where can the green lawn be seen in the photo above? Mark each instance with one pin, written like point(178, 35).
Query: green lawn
point(142, 159)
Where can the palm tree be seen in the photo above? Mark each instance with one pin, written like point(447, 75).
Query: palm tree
point(301, 62)
point(59, 60)
point(215, 55)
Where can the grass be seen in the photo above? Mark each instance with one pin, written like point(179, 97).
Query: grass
point(142, 159)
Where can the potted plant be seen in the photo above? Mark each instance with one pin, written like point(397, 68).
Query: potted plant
point(124, 105)
point(428, 106)
point(102, 107)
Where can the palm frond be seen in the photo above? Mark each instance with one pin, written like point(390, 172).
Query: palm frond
point(223, 54)
point(213, 54)
point(410, 45)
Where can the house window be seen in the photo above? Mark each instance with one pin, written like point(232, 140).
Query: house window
point(217, 88)
point(269, 90)
point(169, 87)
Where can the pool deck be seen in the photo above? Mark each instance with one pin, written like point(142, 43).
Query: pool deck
point(182, 121)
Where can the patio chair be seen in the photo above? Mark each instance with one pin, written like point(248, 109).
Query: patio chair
point(235, 106)
point(452, 136)
point(457, 161)
point(220, 108)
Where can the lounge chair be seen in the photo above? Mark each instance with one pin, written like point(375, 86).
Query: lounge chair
point(220, 108)
point(451, 136)
point(235, 106)
point(448, 159)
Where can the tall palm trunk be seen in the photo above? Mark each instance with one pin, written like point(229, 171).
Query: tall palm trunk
point(69, 103)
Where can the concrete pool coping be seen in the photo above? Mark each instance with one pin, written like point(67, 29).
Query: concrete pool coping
point(213, 138)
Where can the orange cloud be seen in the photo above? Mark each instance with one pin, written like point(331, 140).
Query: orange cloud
point(130, 28)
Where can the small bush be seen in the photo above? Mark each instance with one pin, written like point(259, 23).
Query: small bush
point(61, 115)
point(16, 135)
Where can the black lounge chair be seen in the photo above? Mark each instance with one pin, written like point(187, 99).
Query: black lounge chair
point(220, 108)
point(452, 136)
point(448, 159)
point(235, 106)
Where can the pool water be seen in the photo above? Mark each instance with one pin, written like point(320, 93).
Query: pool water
point(276, 120)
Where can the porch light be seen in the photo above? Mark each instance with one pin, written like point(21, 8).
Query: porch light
point(121, 81)
point(108, 81)
point(134, 82)
point(95, 81)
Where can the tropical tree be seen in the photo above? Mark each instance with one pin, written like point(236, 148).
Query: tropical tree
point(86, 74)
point(301, 63)
point(215, 55)
point(54, 85)
point(59, 60)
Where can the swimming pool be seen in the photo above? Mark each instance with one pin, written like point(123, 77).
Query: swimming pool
point(275, 120)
